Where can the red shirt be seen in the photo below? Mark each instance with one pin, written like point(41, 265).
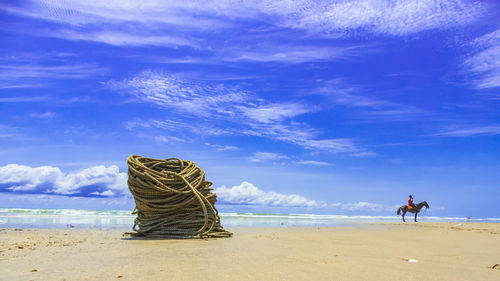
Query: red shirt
point(410, 201)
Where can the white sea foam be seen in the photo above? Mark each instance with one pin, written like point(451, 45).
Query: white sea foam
point(48, 218)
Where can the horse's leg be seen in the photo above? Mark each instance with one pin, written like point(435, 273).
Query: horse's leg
point(403, 215)
point(416, 217)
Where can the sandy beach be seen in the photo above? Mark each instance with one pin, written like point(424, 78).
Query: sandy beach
point(382, 251)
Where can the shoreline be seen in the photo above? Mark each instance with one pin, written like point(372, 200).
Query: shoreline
point(369, 251)
point(96, 219)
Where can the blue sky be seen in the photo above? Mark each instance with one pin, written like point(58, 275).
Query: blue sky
point(338, 107)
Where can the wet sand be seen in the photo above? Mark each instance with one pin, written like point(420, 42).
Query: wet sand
point(379, 251)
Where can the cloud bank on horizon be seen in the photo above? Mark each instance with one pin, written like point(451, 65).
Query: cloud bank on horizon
point(109, 182)
point(93, 181)
point(358, 101)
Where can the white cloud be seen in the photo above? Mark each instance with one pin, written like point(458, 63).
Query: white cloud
point(285, 131)
point(471, 131)
point(400, 113)
point(267, 156)
point(20, 85)
point(9, 136)
point(393, 17)
point(184, 95)
point(301, 134)
point(157, 22)
point(44, 115)
point(296, 133)
point(186, 126)
point(37, 70)
point(148, 12)
point(107, 193)
point(333, 145)
point(314, 163)
point(215, 109)
point(364, 206)
point(248, 194)
point(343, 93)
point(484, 64)
point(120, 38)
point(168, 139)
point(291, 53)
point(364, 154)
point(275, 112)
point(340, 92)
point(15, 70)
point(24, 99)
point(47, 179)
point(219, 147)
point(12, 133)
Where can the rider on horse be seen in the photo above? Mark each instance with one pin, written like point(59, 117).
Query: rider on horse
point(410, 202)
point(412, 208)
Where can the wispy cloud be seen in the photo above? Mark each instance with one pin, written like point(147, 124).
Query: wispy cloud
point(471, 131)
point(121, 38)
point(168, 139)
point(43, 115)
point(24, 99)
point(399, 17)
point(9, 136)
point(296, 133)
point(333, 145)
point(340, 92)
point(267, 156)
point(40, 70)
point(401, 113)
point(183, 95)
point(185, 126)
point(303, 135)
point(14, 133)
point(153, 23)
point(219, 147)
point(291, 53)
point(18, 85)
point(484, 63)
point(93, 181)
point(364, 154)
point(275, 112)
point(272, 52)
point(167, 22)
point(313, 163)
point(19, 73)
point(225, 111)
point(49, 71)
point(364, 206)
point(248, 194)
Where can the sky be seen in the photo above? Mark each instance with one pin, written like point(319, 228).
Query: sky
point(325, 107)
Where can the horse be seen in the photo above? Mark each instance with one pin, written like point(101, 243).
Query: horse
point(414, 210)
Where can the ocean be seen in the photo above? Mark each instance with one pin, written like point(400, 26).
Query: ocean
point(64, 218)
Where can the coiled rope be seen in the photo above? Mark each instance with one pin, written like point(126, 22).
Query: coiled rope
point(172, 199)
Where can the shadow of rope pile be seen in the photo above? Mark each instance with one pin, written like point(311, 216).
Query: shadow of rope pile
point(172, 199)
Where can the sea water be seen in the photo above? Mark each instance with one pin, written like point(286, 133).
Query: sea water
point(64, 218)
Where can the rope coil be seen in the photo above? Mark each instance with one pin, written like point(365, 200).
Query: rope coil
point(172, 199)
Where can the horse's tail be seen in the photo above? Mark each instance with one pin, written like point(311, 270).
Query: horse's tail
point(399, 211)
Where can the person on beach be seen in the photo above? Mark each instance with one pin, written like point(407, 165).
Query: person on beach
point(410, 202)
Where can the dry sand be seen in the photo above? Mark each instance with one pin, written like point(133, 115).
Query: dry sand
point(443, 251)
